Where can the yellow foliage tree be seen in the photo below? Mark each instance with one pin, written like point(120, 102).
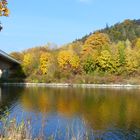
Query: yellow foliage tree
point(17, 55)
point(121, 51)
point(74, 61)
point(116, 65)
point(76, 47)
point(4, 11)
point(131, 63)
point(96, 41)
point(68, 59)
point(27, 61)
point(45, 60)
point(104, 61)
point(137, 45)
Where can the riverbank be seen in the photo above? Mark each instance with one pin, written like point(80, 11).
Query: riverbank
point(72, 85)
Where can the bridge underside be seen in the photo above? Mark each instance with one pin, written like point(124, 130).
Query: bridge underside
point(7, 67)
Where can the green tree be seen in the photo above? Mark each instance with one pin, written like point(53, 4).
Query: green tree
point(121, 50)
point(89, 64)
point(117, 68)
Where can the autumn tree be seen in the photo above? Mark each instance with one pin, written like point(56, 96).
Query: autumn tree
point(76, 47)
point(137, 45)
point(116, 65)
point(131, 64)
point(105, 61)
point(67, 59)
point(45, 61)
point(27, 63)
point(4, 11)
point(17, 55)
point(96, 41)
point(121, 50)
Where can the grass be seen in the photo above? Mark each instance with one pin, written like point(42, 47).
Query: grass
point(11, 130)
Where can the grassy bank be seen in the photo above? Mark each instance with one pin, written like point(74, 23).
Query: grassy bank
point(82, 79)
point(11, 130)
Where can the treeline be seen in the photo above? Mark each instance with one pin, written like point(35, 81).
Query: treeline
point(96, 60)
point(129, 29)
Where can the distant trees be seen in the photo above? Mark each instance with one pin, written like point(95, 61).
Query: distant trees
point(102, 56)
point(129, 29)
point(98, 55)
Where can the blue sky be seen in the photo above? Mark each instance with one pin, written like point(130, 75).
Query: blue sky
point(37, 22)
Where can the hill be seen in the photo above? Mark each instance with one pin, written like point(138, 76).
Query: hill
point(110, 55)
point(129, 29)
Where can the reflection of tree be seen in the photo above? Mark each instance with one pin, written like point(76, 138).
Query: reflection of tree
point(99, 108)
point(8, 97)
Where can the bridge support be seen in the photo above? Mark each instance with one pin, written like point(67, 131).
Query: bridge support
point(0, 73)
point(8, 65)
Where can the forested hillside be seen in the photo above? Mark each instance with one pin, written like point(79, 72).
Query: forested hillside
point(110, 55)
point(129, 29)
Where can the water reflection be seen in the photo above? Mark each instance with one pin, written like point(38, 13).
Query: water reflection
point(106, 113)
point(8, 98)
point(98, 107)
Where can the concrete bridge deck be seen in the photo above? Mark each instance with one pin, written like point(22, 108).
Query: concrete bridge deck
point(7, 65)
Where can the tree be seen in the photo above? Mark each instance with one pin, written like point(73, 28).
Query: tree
point(131, 63)
point(105, 61)
point(89, 64)
point(96, 41)
point(74, 61)
point(76, 47)
point(27, 63)
point(116, 65)
point(17, 55)
point(45, 60)
point(128, 43)
point(4, 11)
point(121, 50)
point(137, 45)
point(67, 59)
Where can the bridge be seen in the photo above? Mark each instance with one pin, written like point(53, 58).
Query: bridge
point(8, 65)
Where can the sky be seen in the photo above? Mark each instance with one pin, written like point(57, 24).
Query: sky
point(36, 22)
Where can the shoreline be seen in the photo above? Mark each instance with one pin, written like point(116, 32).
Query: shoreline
point(72, 85)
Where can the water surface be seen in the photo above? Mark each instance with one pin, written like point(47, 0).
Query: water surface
point(106, 114)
